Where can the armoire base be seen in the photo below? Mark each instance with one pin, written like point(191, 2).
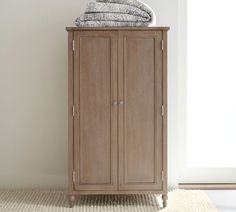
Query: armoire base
point(72, 196)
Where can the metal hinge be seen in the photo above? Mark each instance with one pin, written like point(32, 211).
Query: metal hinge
point(73, 110)
point(73, 176)
point(162, 45)
point(162, 175)
point(162, 110)
point(73, 45)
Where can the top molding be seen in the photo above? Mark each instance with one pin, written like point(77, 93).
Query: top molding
point(116, 28)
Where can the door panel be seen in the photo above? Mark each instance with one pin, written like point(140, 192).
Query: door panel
point(140, 119)
point(95, 131)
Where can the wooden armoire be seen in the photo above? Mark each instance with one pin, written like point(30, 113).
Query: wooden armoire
point(117, 111)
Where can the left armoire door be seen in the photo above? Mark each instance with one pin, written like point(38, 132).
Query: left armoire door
point(95, 100)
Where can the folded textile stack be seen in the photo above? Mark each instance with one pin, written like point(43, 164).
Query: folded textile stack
point(116, 13)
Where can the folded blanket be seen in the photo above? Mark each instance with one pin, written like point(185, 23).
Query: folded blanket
point(115, 13)
point(109, 24)
point(138, 4)
point(112, 17)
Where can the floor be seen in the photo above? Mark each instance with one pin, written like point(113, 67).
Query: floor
point(224, 200)
point(50, 200)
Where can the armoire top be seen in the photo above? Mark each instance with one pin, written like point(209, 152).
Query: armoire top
point(116, 28)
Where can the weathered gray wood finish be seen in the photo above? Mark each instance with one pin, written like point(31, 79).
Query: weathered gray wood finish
point(95, 121)
point(117, 111)
point(140, 117)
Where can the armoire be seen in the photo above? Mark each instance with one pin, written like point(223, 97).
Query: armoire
point(117, 102)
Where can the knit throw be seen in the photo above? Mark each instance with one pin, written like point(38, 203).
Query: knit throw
point(116, 13)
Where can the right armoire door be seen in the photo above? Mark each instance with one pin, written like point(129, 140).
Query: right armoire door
point(140, 115)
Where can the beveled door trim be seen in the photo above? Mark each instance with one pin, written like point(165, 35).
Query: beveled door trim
point(122, 36)
point(113, 181)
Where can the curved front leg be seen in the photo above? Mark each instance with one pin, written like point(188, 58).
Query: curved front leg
point(164, 199)
point(71, 200)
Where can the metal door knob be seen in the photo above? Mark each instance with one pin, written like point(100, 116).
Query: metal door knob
point(121, 102)
point(115, 103)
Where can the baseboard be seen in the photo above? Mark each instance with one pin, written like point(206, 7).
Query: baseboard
point(208, 186)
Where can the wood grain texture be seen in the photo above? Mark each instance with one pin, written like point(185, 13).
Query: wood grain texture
point(118, 136)
point(165, 104)
point(107, 191)
point(140, 120)
point(117, 28)
point(139, 110)
point(95, 134)
point(70, 105)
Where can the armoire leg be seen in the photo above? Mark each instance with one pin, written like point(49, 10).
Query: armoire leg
point(71, 200)
point(164, 199)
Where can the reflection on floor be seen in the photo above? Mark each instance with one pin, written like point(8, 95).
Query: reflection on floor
point(224, 200)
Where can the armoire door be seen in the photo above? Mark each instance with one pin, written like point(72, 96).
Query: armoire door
point(140, 110)
point(95, 121)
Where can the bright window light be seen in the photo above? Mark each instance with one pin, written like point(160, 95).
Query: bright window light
point(211, 89)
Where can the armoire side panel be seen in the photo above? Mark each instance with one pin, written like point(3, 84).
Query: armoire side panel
point(95, 148)
point(140, 119)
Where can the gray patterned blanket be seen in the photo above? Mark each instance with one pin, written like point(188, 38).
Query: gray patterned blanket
point(117, 13)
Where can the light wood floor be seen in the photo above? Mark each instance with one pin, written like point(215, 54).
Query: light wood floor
point(224, 200)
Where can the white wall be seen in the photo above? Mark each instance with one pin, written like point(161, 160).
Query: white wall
point(33, 89)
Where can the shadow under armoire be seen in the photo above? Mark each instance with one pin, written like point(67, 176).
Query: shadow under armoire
point(117, 111)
